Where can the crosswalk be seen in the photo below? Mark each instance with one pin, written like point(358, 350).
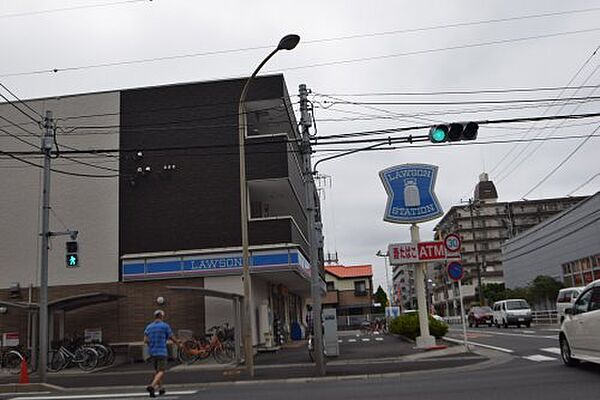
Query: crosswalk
point(358, 339)
point(555, 351)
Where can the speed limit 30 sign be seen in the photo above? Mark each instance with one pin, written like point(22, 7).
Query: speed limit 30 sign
point(452, 243)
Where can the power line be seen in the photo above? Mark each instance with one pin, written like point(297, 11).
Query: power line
point(219, 52)
point(54, 10)
point(584, 184)
point(462, 92)
point(437, 50)
point(19, 109)
point(468, 102)
point(587, 61)
point(571, 154)
point(532, 152)
point(22, 103)
point(20, 159)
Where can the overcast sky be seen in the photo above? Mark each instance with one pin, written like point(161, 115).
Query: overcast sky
point(348, 50)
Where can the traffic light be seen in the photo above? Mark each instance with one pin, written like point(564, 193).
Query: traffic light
point(453, 132)
point(72, 256)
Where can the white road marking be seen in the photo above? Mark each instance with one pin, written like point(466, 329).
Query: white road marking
point(102, 396)
point(528, 331)
point(379, 339)
point(553, 337)
point(340, 341)
point(366, 340)
point(539, 358)
point(486, 346)
point(351, 340)
point(553, 350)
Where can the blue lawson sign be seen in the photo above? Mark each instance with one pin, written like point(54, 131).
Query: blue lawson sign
point(410, 193)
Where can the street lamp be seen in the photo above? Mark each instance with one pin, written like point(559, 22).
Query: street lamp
point(288, 42)
point(387, 277)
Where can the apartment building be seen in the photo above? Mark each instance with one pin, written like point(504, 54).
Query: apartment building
point(159, 208)
point(484, 224)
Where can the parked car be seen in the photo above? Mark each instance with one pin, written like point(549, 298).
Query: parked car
point(512, 312)
point(578, 336)
point(480, 316)
point(566, 298)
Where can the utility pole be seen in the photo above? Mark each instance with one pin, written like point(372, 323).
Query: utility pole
point(43, 300)
point(479, 288)
point(306, 123)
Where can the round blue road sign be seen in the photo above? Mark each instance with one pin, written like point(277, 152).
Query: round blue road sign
point(455, 270)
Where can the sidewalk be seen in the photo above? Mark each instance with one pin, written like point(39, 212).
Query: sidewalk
point(362, 357)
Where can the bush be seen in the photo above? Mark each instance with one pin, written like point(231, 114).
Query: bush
point(408, 326)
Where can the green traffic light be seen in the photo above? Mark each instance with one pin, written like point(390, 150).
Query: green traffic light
point(439, 135)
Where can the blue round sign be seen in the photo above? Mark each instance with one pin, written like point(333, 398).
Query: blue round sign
point(455, 270)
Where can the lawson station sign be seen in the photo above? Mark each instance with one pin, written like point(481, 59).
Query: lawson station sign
point(411, 198)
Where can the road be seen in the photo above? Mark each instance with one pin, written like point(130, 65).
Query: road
point(537, 344)
point(525, 366)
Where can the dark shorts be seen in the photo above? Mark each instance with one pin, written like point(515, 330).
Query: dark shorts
point(159, 362)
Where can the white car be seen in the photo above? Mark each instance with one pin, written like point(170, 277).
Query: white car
point(512, 312)
point(566, 298)
point(579, 333)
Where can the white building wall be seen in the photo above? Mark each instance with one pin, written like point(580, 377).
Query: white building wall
point(543, 249)
point(220, 311)
point(86, 204)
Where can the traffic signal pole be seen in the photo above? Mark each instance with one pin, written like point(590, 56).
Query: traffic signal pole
point(46, 147)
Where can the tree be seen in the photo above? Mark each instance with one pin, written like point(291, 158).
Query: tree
point(494, 292)
point(544, 289)
point(381, 298)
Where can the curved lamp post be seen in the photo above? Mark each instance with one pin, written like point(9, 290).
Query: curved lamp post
point(288, 42)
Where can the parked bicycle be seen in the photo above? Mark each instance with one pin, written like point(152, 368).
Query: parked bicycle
point(68, 354)
point(220, 346)
point(11, 358)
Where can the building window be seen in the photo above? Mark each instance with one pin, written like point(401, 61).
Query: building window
point(360, 288)
point(330, 286)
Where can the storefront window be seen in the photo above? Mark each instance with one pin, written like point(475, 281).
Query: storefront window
point(568, 281)
point(578, 280)
point(588, 277)
point(585, 264)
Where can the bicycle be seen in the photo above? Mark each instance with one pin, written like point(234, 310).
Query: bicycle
point(86, 358)
point(220, 347)
point(11, 359)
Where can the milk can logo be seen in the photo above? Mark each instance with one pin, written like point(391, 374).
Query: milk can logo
point(410, 193)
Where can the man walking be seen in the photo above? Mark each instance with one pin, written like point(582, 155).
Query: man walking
point(156, 335)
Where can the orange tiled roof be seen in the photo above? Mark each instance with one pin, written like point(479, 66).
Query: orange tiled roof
point(351, 271)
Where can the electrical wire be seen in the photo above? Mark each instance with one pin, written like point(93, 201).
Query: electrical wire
point(463, 92)
point(23, 103)
point(563, 162)
point(341, 62)
point(584, 183)
point(573, 78)
point(435, 50)
point(54, 10)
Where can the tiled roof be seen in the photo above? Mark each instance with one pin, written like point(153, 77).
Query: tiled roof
point(351, 271)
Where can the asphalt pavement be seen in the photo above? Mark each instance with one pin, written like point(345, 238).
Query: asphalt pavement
point(520, 364)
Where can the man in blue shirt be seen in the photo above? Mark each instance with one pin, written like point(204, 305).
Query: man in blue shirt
point(156, 335)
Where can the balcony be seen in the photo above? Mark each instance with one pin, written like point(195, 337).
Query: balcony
point(276, 230)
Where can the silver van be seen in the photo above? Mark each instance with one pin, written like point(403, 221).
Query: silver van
point(511, 312)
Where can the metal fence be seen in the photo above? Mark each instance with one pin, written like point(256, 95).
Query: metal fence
point(545, 317)
point(541, 317)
